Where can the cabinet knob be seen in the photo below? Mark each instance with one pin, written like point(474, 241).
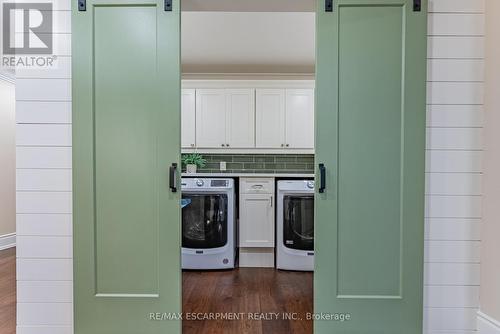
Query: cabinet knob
point(192, 145)
point(227, 145)
point(222, 145)
point(282, 145)
point(287, 145)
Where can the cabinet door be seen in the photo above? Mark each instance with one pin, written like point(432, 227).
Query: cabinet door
point(256, 220)
point(299, 118)
point(270, 118)
point(240, 118)
point(188, 118)
point(210, 118)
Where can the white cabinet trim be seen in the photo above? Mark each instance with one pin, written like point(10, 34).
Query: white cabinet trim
point(230, 84)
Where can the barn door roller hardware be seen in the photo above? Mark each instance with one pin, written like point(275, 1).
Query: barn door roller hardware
point(82, 5)
point(168, 5)
point(328, 5)
point(417, 5)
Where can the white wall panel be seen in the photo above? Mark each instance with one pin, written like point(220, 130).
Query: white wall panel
point(451, 274)
point(33, 112)
point(46, 247)
point(453, 229)
point(43, 179)
point(450, 319)
point(455, 93)
point(456, 6)
point(465, 47)
point(452, 251)
point(453, 206)
point(45, 313)
point(43, 202)
point(44, 329)
point(45, 291)
point(455, 70)
point(454, 161)
point(453, 184)
point(451, 296)
point(62, 44)
point(56, 5)
point(61, 70)
point(456, 24)
point(44, 269)
point(44, 224)
point(61, 23)
point(455, 138)
point(43, 157)
point(460, 116)
point(43, 90)
point(43, 135)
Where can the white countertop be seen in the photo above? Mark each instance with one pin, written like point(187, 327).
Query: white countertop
point(290, 175)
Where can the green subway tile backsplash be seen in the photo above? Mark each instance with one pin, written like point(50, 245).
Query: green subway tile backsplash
point(259, 163)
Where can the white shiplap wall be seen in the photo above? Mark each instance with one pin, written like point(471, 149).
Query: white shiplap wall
point(44, 249)
point(454, 166)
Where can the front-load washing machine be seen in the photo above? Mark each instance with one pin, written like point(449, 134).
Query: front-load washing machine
point(208, 223)
point(295, 225)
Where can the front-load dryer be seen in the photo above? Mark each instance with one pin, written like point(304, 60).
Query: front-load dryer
point(295, 225)
point(208, 223)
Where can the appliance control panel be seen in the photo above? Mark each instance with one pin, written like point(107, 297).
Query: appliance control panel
point(206, 183)
point(218, 183)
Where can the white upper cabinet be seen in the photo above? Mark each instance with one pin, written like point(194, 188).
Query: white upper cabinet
point(210, 118)
point(270, 118)
point(240, 118)
point(299, 124)
point(188, 117)
point(285, 118)
point(227, 116)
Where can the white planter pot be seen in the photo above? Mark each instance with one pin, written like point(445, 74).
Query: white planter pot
point(191, 169)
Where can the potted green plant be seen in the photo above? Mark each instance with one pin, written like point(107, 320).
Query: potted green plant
point(193, 161)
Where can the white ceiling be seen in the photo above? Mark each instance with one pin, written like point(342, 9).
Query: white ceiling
point(249, 5)
point(248, 42)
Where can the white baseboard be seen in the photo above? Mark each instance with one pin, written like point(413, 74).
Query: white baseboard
point(486, 324)
point(7, 241)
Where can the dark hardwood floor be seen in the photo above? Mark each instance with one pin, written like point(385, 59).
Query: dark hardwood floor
point(248, 290)
point(8, 291)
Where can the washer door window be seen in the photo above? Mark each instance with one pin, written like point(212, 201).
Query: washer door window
point(204, 220)
point(298, 225)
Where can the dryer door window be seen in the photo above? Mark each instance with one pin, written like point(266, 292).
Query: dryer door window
point(298, 225)
point(204, 220)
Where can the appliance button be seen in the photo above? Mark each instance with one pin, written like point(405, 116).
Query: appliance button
point(310, 184)
point(200, 183)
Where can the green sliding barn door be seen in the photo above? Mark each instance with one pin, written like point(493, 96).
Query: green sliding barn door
point(371, 74)
point(126, 121)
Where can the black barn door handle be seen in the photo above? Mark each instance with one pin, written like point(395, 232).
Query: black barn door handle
point(322, 178)
point(173, 177)
point(417, 5)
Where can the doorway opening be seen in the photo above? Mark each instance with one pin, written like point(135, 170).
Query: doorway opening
point(248, 75)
